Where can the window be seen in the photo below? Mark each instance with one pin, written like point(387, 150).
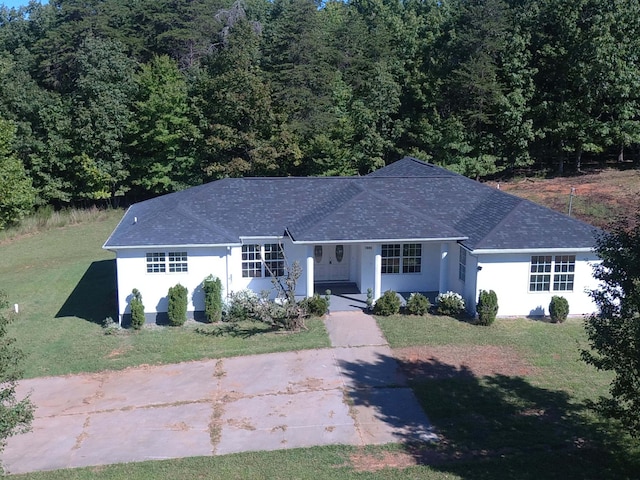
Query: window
point(274, 260)
point(540, 278)
point(156, 262)
point(391, 258)
point(462, 265)
point(563, 271)
point(411, 258)
point(253, 256)
point(563, 268)
point(177, 262)
point(251, 263)
point(406, 258)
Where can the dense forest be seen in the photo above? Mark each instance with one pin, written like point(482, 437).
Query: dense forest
point(120, 100)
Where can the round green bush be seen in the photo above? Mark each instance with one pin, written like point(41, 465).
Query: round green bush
point(316, 306)
point(418, 304)
point(487, 307)
point(558, 309)
point(387, 304)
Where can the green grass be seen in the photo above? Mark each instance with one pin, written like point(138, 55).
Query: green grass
point(64, 284)
point(544, 414)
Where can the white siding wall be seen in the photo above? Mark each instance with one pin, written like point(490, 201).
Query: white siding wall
point(508, 276)
point(132, 273)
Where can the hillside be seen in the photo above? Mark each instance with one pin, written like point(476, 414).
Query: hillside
point(599, 198)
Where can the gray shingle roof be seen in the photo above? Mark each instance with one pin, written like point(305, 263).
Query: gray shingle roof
point(408, 199)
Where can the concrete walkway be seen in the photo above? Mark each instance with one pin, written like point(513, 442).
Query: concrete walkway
point(352, 393)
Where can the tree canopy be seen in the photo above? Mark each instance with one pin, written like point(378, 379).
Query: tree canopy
point(614, 332)
point(112, 99)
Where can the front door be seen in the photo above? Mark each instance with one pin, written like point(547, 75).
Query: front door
point(331, 263)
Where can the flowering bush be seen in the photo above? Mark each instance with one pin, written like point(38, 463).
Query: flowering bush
point(241, 305)
point(449, 303)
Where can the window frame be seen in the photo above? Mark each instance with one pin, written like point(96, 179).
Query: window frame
point(156, 262)
point(551, 273)
point(178, 262)
point(401, 258)
point(273, 259)
point(462, 265)
point(251, 261)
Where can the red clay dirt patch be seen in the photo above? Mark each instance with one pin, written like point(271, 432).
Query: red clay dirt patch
point(368, 462)
point(600, 196)
point(424, 362)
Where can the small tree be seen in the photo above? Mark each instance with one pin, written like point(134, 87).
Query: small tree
point(558, 309)
point(177, 310)
point(15, 416)
point(212, 287)
point(137, 310)
point(614, 331)
point(487, 307)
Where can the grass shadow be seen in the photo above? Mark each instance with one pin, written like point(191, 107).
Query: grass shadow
point(94, 297)
point(235, 330)
point(489, 427)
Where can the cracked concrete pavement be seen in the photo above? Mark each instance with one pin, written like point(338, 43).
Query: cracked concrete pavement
point(351, 394)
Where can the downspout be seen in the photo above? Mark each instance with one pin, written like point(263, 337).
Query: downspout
point(226, 260)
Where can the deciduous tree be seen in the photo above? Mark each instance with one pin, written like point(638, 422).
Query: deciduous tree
point(614, 332)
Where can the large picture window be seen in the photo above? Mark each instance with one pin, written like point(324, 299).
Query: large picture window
point(543, 266)
point(252, 260)
point(405, 258)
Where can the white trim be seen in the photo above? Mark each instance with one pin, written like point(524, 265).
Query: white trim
point(384, 240)
point(259, 239)
point(531, 250)
point(188, 245)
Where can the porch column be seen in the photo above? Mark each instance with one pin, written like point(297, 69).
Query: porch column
point(377, 273)
point(309, 270)
point(443, 285)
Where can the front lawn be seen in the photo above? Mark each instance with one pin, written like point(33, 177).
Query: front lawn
point(64, 284)
point(508, 393)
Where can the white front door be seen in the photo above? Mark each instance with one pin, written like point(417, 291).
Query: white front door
point(331, 263)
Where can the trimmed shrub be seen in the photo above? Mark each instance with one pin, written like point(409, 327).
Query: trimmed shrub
point(137, 310)
point(418, 304)
point(212, 287)
point(177, 310)
point(316, 306)
point(449, 303)
point(558, 309)
point(387, 304)
point(369, 299)
point(487, 307)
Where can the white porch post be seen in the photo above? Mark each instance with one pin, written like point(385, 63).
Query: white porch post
point(444, 268)
point(377, 273)
point(310, 271)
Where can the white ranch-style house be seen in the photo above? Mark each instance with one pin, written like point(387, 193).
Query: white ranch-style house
point(410, 226)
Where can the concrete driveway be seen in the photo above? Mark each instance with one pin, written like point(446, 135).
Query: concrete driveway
point(352, 394)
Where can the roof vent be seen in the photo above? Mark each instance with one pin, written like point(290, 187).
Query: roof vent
point(135, 220)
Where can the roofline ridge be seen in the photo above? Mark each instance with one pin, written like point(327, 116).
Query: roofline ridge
point(503, 219)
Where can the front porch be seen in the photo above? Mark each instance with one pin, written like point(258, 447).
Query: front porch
point(346, 297)
point(353, 269)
